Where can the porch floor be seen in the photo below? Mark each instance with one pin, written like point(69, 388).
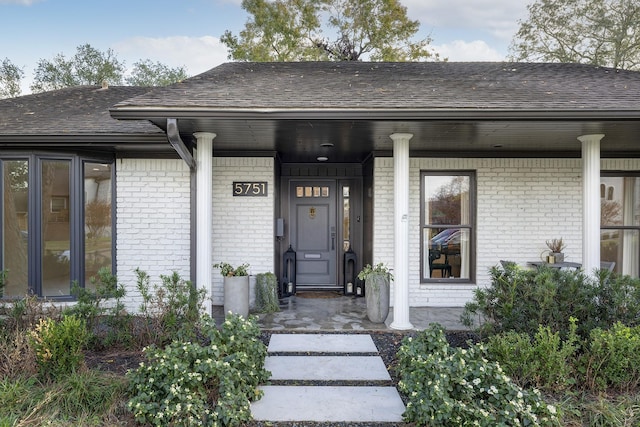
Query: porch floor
point(325, 311)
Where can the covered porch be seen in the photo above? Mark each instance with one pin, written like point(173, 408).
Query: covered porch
point(397, 120)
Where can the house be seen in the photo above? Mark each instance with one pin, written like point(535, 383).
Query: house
point(438, 169)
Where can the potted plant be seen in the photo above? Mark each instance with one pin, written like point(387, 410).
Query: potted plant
point(236, 288)
point(555, 249)
point(377, 284)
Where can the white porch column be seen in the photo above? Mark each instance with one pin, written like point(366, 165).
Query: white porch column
point(590, 202)
point(401, 230)
point(204, 215)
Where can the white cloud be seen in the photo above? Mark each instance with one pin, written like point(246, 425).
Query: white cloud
point(463, 51)
point(21, 2)
point(496, 17)
point(196, 54)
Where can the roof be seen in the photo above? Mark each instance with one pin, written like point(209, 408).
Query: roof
point(406, 86)
point(74, 115)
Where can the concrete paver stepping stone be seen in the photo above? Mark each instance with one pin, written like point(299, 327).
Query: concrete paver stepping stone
point(328, 403)
point(322, 343)
point(327, 368)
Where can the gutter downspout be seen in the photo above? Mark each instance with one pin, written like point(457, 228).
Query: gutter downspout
point(173, 135)
point(176, 142)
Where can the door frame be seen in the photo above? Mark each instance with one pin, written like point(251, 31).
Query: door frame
point(343, 175)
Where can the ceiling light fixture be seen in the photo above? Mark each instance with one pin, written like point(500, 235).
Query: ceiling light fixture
point(322, 158)
point(326, 144)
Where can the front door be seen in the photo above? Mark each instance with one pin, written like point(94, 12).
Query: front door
point(313, 232)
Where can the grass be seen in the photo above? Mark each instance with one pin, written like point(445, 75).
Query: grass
point(88, 398)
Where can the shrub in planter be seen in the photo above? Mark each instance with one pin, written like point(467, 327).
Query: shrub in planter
point(236, 288)
point(377, 282)
point(455, 386)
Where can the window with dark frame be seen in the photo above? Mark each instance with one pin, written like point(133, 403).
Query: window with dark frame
point(447, 223)
point(620, 222)
point(52, 234)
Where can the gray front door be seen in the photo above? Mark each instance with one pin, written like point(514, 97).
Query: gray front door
point(313, 232)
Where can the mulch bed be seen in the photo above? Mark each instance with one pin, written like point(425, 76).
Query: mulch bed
point(387, 342)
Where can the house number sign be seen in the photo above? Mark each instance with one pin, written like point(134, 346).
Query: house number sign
point(250, 189)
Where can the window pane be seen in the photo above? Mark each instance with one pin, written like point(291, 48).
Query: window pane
point(56, 233)
point(620, 201)
point(447, 251)
point(446, 199)
point(621, 247)
point(15, 229)
point(97, 219)
point(346, 215)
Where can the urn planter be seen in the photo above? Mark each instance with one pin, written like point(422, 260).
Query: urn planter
point(236, 295)
point(376, 293)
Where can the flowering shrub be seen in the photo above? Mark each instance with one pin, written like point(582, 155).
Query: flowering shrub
point(58, 345)
point(192, 384)
point(455, 386)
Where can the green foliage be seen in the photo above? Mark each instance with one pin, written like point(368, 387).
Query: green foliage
point(81, 398)
point(148, 73)
point(103, 310)
point(378, 269)
point(228, 270)
point(89, 66)
point(58, 346)
point(267, 293)
point(520, 300)
point(612, 359)
point(596, 32)
point(170, 310)
point(189, 384)
point(454, 386)
point(292, 30)
point(545, 362)
point(10, 77)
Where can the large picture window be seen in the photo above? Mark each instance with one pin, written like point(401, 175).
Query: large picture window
point(56, 220)
point(448, 217)
point(620, 222)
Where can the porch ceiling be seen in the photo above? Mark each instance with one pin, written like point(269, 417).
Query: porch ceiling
point(302, 140)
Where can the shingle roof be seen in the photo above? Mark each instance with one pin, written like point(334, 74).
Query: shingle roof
point(388, 86)
point(81, 110)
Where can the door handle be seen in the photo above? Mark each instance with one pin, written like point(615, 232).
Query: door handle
point(333, 241)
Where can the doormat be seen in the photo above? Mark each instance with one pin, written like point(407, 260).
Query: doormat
point(318, 294)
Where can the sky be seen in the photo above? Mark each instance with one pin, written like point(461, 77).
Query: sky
point(186, 33)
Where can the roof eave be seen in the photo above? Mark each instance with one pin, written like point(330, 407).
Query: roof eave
point(148, 113)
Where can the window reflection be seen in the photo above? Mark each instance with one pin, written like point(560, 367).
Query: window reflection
point(15, 229)
point(447, 226)
point(97, 219)
point(56, 231)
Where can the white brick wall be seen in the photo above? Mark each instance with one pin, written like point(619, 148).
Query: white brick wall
point(243, 227)
point(153, 221)
point(521, 203)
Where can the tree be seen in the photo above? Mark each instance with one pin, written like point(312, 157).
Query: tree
point(10, 76)
point(89, 66)
point(291, 30)
point(148, 73)
point(597, 32)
